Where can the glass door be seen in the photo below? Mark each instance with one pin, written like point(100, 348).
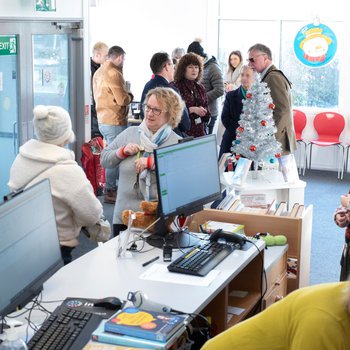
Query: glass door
point(50, 70)
point(40, 63)
point(8, 106)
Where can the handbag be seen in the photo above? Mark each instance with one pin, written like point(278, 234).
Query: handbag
point(100, 232)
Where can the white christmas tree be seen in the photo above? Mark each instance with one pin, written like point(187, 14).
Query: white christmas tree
point(255, 136)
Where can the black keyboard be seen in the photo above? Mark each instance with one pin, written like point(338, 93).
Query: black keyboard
point(65, 329)
point(201, 259)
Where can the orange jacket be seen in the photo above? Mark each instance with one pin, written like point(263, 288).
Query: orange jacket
point(110, 94)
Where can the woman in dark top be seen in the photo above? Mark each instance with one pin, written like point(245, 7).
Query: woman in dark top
point(188, 73)
point(233, 108)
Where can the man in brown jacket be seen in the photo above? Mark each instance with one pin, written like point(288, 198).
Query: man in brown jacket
point(260, 59)
point(112, 104)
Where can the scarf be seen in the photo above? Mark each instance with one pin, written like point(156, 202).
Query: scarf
point(150, 141)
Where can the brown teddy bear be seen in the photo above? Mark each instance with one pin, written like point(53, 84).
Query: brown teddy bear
point(144, 218)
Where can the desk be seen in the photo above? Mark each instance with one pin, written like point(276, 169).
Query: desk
point(271, 183)
point(99, 274)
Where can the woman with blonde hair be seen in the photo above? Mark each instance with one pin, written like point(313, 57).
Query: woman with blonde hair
point(132, 151)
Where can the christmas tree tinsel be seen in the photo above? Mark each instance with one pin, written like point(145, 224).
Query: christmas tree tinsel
point(255, 136)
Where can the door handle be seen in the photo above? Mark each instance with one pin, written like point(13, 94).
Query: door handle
point(15, 133)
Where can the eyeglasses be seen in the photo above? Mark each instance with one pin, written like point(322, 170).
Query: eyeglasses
point(253, 59)
point(155, 111)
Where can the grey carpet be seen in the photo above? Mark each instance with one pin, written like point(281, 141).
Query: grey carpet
point(323, 190)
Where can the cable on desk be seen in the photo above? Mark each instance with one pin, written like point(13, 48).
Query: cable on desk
point(263, 271)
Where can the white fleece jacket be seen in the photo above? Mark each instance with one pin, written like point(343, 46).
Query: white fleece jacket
point(74, 200)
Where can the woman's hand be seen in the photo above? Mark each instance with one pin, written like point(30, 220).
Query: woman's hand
point(228, 87)
point(200, 111)
point(141, 164)
point(131, 149)
point(342, 219)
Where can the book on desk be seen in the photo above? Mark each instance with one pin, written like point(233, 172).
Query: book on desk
point(144, 324)
point(101, 336)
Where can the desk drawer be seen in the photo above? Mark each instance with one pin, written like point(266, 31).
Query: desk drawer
point(274, 273)
point(277, 292)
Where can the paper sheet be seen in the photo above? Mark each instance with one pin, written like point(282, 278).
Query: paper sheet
point(159, 272)
point(233, 310)
point(238, 293)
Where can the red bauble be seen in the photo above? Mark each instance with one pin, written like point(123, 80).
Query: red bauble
point(263, 122)
point(240, 129)
point(238, 156)
point(252, 148)
point(249, 95)
point(278, 155)
point(272, 106)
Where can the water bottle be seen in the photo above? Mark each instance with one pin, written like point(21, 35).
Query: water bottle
point(13, 341)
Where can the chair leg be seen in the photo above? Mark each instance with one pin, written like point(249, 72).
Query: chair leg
point(305, 157)
point(310, 155)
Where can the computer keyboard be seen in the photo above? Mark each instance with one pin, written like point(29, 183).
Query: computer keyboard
point(65, 329)
point(201, 259)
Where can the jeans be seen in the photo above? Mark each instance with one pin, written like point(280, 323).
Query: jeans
point(110, 132)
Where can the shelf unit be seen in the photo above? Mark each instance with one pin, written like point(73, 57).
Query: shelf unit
point(297, 230)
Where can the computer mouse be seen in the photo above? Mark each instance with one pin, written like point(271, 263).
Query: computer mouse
point(111, 303)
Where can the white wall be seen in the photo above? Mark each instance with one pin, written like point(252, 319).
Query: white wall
point(142, 28)
point(26, 9)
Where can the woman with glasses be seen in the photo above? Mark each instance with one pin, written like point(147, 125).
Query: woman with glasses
point(132, 151)
point(188, 72)
point(233, 108)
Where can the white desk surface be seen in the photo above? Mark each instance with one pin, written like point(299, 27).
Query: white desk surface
point(99, 273)
point(267, 180)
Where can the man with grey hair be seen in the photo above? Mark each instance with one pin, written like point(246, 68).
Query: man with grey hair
point(112, 101)
point(260, 59)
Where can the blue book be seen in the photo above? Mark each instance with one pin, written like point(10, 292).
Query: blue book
point(99, 335)
point(144, 324)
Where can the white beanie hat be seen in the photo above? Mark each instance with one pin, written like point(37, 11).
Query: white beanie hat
point(52, 124)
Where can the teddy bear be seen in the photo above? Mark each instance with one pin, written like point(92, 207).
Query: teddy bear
point(144, 218)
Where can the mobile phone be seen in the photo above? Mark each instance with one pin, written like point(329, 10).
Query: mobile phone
point(167, 253)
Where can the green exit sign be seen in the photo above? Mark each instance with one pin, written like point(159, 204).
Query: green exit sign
point(45, 5)
point(8, 45)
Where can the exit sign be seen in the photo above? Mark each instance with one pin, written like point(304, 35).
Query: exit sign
point(45, 5)
point(8, 45)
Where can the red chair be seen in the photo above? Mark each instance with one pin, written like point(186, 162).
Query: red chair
point(299, 121)
point(329, 126)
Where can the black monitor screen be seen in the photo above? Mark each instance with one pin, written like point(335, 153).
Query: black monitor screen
point(187, 176)
point(29, 246)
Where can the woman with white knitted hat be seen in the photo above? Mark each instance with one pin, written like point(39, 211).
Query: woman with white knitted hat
point(46, 157)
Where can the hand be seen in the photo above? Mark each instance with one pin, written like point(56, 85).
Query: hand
point(228, 87)
point(200, 111)
point(131, 149)
point(141, 164)
point(342, 219)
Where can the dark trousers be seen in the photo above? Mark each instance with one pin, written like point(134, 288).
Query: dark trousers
point(66, 253)
point(117, 228)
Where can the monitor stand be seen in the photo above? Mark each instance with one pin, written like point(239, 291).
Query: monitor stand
point(182, 239)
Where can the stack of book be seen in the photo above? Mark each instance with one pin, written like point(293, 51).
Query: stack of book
point(141, 329)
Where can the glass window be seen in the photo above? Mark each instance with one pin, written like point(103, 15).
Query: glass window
point(312, 87)
point(242, 34)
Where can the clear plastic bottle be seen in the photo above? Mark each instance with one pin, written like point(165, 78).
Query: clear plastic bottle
point(13, 341)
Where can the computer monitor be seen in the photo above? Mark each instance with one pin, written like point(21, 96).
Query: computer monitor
point(187, 179)
point(29, 246)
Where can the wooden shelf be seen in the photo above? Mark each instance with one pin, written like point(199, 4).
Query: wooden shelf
point(247, 303)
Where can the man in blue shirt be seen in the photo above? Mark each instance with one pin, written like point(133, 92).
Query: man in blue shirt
point(163, 69)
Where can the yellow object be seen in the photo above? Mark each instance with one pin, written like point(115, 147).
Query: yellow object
point(314, 317)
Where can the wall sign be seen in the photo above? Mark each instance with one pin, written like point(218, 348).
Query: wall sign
point(315, 45)
point(45, 5)
point(8, 45)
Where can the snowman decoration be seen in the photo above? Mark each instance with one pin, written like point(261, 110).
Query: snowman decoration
point(315, 45)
